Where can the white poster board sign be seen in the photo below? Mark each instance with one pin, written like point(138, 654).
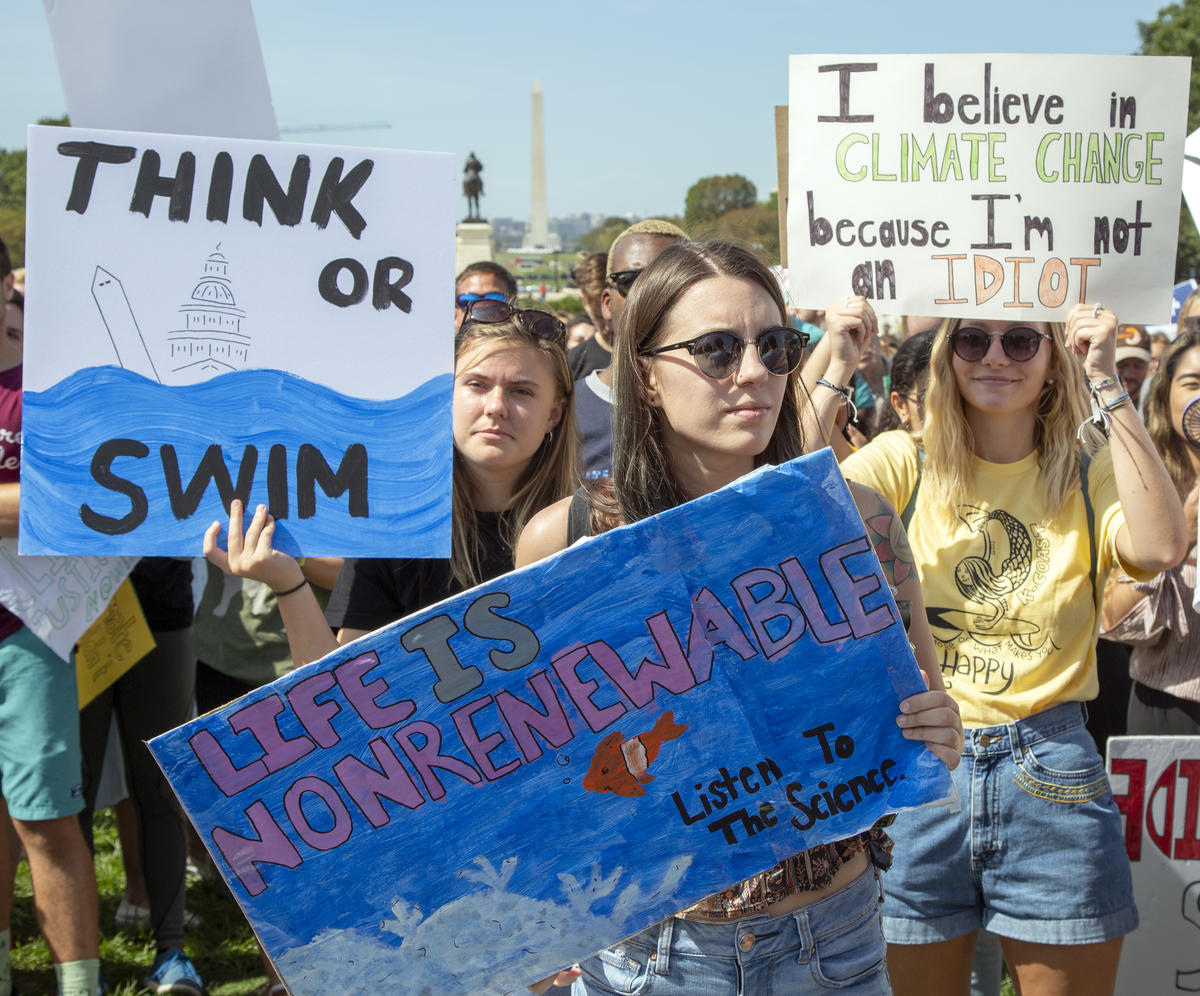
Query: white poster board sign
point(1156, 785)
point(1191, 175)
point(58, 597)
point(145, 65)
point(999, 186)
point(222, 318)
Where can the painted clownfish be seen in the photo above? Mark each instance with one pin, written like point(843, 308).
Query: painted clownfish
point(620, 766)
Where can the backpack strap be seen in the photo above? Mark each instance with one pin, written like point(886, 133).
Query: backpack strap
point(911, 505)
point(1085, 460)
point(579, 517)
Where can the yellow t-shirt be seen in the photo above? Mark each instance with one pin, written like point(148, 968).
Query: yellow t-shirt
point(1006, 589)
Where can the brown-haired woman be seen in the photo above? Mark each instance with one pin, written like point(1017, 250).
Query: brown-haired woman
point(705, 389)
point(514, 453)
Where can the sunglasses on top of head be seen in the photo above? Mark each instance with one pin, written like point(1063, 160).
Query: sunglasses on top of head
point(1020, 343)
point(719, 354)
point(542, 324)
point(465, 300)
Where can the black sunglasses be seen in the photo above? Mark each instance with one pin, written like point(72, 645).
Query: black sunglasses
point(622, 280)
point(719, 354)
point(538, 323)
point(1020, 343)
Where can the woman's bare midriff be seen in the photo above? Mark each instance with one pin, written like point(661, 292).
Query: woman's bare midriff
point(851, 870)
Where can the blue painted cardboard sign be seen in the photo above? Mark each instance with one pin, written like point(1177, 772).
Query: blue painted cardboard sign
point(497, 786)
point(229, 318)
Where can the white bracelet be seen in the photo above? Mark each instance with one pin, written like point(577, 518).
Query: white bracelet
point(845, 392)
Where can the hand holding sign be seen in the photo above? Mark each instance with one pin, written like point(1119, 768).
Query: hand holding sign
point(252, 555)
point(1092, 336)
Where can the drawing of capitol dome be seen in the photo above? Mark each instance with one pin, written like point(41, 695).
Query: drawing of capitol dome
point(211, 341)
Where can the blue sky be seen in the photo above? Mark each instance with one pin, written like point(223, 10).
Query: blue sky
point(641, 99)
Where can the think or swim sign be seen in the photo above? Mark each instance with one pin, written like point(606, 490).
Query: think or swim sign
point(503, 783)
point(244, 319)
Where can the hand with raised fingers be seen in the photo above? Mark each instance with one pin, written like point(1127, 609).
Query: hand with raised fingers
point(250, 554)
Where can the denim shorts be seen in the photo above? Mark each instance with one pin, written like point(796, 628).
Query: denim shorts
point(835, 944)
point(1036, 853)
point(41, 774)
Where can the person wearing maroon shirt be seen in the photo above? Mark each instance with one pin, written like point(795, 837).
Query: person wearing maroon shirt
point(40, 768)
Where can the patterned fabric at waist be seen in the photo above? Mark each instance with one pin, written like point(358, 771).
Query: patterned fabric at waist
point(809, 871)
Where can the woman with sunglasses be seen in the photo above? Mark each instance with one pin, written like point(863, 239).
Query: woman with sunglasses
point(1014, 529)
point(705, 390)
point(514, 453)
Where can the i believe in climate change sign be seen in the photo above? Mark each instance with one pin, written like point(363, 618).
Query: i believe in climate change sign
point(501, 784)
point(1000, 186)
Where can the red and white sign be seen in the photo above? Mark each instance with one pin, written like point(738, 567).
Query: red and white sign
point(1156, 785)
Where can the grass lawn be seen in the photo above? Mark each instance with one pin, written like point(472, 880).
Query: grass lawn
point(221, 944)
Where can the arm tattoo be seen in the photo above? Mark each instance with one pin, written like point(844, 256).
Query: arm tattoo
point(887, 536)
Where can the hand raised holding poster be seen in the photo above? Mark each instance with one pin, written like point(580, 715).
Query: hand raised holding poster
point(235, 318)
point(691, 702)
point(997, 186)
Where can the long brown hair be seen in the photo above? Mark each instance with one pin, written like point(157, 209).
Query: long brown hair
point(643, 482)
point(1172, 447)
point(552, 472)
point(1062, 406)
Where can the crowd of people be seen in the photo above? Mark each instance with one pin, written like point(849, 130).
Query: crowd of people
point(1024, 484)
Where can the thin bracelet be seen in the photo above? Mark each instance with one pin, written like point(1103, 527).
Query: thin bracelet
point(290, 591)
point(1119, 401)
point(1101, 385)
point(845, 392)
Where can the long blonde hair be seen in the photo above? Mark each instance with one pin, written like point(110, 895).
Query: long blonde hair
point(949, 442)
point(552, 472)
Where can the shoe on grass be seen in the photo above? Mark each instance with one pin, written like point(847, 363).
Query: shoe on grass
point(173, 972)
point(130, 916)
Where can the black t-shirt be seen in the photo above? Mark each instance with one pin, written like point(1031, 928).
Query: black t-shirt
point(589, 355)
point(372, 592)
point(164, 589)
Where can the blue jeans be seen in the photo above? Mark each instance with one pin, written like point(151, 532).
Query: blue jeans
point(1036, 852)
point(834, 944)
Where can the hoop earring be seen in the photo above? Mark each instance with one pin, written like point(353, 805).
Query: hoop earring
point(549, 437)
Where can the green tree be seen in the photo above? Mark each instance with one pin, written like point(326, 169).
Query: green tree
point(1176, 31)
point(600, 238)
point(12, 196)
point(710, 197)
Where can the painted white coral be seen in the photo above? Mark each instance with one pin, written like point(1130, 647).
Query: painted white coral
point(474, 943)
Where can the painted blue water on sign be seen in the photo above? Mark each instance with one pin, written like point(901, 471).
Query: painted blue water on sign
point(501, 784)
point(136, 467)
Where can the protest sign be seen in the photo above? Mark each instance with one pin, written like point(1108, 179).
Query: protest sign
point(501, 784)
point(995, 186)
point(224, 318)
point(1156, 785)
point(143, 65)
point(118, 639)
point(58, 598)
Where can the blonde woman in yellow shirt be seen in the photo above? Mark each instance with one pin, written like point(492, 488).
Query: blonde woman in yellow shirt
point(1013, 530)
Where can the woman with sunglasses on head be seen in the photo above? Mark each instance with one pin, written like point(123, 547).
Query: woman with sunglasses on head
point(705, 390)
point(514, 453)
point(1014, 529)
